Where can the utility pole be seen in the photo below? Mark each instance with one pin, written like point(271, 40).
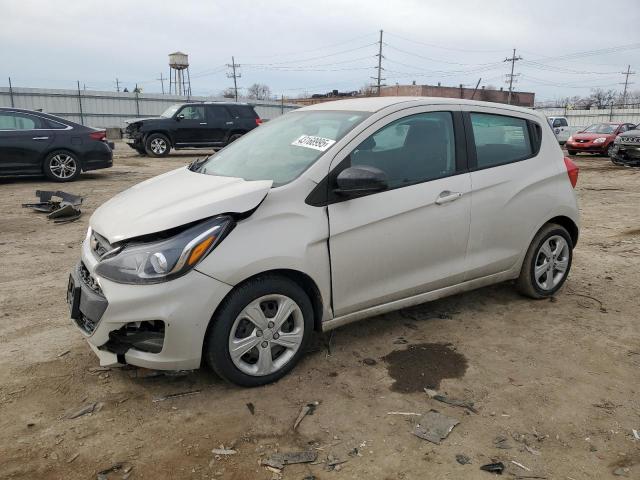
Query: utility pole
point(379, 78)
point(117, 85)
point(162, 79)
point(511, 76)
point(626, 83)
point(11, 92)
point(233, 65)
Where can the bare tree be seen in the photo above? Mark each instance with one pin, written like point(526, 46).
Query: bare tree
point(259, 91)
point(602, 98)
point(228, 93)
point(367, 90)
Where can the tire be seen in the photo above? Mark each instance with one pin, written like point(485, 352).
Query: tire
point(62, 166)
point(572, 152)
point(140, 150)
point(609, 152)
point(261, 357)
point(234, 137)
point(552, 242)
point(157, 145)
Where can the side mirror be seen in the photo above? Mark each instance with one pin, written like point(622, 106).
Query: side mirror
point(360, 180)
point(180, 117)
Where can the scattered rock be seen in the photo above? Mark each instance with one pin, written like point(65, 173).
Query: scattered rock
point(497, 467)
point(621, 472)
point(451, 401)
point(223, 451)
point(369, 361)
point(308, 409)
point(501, 443)
point(251, 408)
point(463, 459)
point(279, 460)
point(90, 408)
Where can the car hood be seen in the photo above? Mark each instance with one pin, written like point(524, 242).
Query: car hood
point(590, 136)
point(145, 119)
point(631, 134)
point(173, 199)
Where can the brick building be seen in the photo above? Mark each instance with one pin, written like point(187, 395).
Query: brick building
point(522, 99)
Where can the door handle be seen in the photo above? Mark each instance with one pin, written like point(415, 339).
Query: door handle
point(40, 138)
point(203, 123)
point(447, 197)
point(228, 123)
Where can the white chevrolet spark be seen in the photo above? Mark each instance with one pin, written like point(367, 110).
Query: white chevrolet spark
point(326, 215)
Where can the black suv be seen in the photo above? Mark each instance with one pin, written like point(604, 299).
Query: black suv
point(191, 125)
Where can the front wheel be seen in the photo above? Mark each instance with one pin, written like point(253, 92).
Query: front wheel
point(610, 151)
point(260, 331)
point(157, 145)
point(62, 166)
point(547, 262)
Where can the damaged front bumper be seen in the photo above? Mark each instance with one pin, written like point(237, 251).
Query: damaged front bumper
point(160, 326)
point(627, 155)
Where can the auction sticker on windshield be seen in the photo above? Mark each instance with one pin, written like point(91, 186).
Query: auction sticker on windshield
point(310, 141)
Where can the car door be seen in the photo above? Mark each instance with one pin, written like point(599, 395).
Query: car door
point(191, 126)
point(24, 139)
point(411, 237)
point(510, 181)
point(219, 123)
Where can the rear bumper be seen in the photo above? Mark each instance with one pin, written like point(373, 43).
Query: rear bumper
point(98, 156)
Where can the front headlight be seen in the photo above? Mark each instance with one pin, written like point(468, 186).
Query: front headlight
point(163, 260)
point(600, 140)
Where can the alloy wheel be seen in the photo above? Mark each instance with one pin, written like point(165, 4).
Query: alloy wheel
point(63, 166)
point(158, 146)
point(266, 335)
point(552, 262)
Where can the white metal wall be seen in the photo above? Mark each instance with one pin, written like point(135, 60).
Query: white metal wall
point(111, 109)
point(583, 118)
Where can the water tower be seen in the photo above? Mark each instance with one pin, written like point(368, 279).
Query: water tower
point(178, 64)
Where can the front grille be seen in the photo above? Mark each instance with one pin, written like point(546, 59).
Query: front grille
point(631, 140)
point(582, 141)
point(88, 280)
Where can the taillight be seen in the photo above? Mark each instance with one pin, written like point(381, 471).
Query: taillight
point(572, 171)
point(258, 121)
point(101, 135)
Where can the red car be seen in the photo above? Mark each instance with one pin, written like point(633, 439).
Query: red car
point(596, 138)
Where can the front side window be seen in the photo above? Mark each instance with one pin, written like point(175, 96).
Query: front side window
point(500, 139)
point(193, 112)
point(15, 121)
point(411, 150)
point(282, 149)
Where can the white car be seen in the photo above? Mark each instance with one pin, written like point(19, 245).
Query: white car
point(326, 215)
point(561, 129)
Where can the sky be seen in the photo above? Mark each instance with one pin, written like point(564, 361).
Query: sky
point(299, 47)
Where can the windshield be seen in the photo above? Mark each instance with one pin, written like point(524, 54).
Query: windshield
point(282, 149)
point(169, 112)
point(600, 128)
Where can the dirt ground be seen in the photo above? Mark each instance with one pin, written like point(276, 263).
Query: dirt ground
point(556, 384)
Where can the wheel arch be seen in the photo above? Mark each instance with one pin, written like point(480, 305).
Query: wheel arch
point(161, 132)
point(49, 151)
point(569, 225)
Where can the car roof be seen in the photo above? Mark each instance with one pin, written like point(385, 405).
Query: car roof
point(240, 104)
point(374, 104)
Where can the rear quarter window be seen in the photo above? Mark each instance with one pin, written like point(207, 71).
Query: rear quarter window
point(501, 139)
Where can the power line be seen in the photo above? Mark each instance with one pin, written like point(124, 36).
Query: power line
point(626, 82)
point(444, 48)
point(511, 76)
point(235, 76)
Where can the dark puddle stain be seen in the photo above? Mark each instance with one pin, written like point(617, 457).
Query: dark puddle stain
point(424, 366)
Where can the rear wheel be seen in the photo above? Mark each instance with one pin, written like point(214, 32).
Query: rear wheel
point(62, 166)
point(234, 137)
point(260, 331)
point(547, 262)
point(572, 152)
point(157, 145)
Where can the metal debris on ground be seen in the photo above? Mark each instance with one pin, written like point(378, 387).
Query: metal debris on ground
point(94, 407)
point(451, 401)
point(497, 467)
point(434, 427)
point(636, 434)
point(176, 395)
point(279, 460)
point(61, 207)
point(621, 472)
point(334, 463)
point(463, 459)
point(307, 409)
point(252, 408)
point(116, 467)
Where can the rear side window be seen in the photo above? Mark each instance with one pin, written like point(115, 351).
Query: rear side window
point(500, 139)
point(55, 125)
point(242, 111)
point(218, 112)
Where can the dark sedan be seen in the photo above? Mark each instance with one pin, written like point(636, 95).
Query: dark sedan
point(33, 143)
